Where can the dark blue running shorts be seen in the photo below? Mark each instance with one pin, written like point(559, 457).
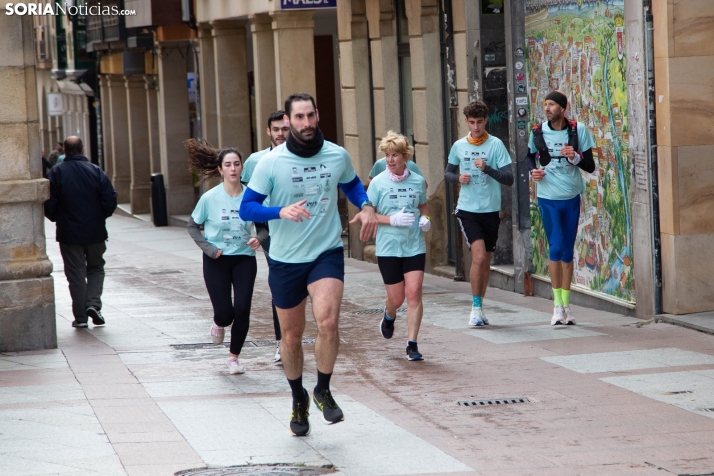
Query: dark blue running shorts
point(289, 281)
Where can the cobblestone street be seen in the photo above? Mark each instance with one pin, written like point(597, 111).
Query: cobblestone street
point(146, 394)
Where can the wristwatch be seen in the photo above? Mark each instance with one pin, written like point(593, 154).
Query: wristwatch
point(367, 203)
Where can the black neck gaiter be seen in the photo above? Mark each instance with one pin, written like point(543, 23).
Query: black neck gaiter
point(306, 149)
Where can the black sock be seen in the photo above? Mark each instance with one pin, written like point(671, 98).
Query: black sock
point(323, 382)
point(298, 391)
point(410, 342)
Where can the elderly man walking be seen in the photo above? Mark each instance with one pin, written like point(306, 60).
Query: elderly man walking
point(81, 199)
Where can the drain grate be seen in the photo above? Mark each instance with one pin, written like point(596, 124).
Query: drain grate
point(679, 392)
point(168, 271)
point(366, 312)
point(708, 410)
point(248, 343)
point(493, 401)
point(256, 471)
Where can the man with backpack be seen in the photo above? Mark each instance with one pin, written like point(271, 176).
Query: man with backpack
point(562, 147)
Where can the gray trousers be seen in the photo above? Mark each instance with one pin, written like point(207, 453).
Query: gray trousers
point(84, 269)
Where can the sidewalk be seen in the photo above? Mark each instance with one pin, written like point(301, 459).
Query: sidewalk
point(146, 394)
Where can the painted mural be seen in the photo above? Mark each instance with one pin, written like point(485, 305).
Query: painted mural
point(577, 46)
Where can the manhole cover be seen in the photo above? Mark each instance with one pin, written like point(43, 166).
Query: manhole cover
point(256, 471)
point(365, 312)
point(248, 343)
point(493, 401)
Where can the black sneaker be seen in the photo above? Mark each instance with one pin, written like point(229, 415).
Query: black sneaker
point(96, 315)
point(299, 422)
point(331, 412)
point(386, 327)
point(79, 324)
point(413, 352)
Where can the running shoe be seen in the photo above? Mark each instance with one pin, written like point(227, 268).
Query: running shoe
point(331, 412)
point(299, 422)
point(569, 319)
point(79, 324)
point(477, 318)
point(277, 352)
point(483, 317)
point(386, 327)
point(96, 315)
point(234, 367)
point(413, 352)
point(558, 318)
point(217, 334)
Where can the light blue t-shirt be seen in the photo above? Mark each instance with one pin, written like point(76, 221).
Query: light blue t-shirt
point(562, 180)
point(250, 163)
point(381, 165)
point(222, 227)
point(390, 197)
point(286, 179)
point(483, 193)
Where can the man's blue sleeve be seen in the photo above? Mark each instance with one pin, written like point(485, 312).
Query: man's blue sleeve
point(252, 209)
point(354, 191)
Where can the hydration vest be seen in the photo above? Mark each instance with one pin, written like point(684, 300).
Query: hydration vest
point(542, 147)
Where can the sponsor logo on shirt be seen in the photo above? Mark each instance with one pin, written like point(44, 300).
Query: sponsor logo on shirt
point(325, 175)
point(297, 179)
point(309, 169)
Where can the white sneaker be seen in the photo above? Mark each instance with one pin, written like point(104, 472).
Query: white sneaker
point(477, 318)
point(217, 334)
point(277, 352)
point(558, 316)
point(234, 367)
point(569, 319)
point(483, 317)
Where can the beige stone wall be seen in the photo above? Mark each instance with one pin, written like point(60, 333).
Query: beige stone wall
point(27, 312)
point(684, 62)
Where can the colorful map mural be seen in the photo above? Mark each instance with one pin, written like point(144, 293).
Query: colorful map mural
point(577, 46)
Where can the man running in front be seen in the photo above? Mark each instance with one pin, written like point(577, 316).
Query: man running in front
point(306, 255)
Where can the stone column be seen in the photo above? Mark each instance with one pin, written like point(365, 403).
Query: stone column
point(107, 136)
point(152, 110)
point(356, 111)
point(27, 309)
point(232, 90)
point(385, 68)
point(684, 61)
point(425, 48)
point(207, 79)
point(140, 162)
point(266, 99)
point(119, 124)
point(174, 127)
point(294, 53)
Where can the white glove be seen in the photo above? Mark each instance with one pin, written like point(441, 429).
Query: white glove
point(402, 218)
point(576, 159)
point(424, 223)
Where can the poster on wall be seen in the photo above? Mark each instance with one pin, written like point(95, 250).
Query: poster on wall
point(491, 7)
point(577, 47)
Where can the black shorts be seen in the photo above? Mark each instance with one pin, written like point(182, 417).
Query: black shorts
point(480, 226)
point(393, 269)
point(289, 281)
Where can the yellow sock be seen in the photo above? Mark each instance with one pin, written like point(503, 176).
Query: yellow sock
point(565, 296)
point(557, 299)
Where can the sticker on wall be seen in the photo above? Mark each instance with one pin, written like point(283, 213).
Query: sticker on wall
point(489, 57)
point(522, 112)
point(520, 77)
point(521, 133)
point(521, 88)
point(522, 101)
point(521, 124)
point(519, 52)
point(519, 65)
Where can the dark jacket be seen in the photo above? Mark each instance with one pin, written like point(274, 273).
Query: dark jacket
point(81, 199)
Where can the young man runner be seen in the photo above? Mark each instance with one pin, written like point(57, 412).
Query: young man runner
point(301, 178)
point(278, 132)
point(484, 165)
point(563, 148)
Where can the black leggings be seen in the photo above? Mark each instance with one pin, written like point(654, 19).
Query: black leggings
point(219, 274)
point(276, 322)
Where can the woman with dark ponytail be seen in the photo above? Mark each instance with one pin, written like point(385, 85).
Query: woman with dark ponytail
point(228, 247)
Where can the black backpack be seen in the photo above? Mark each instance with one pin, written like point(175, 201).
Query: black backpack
point(542, 147)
